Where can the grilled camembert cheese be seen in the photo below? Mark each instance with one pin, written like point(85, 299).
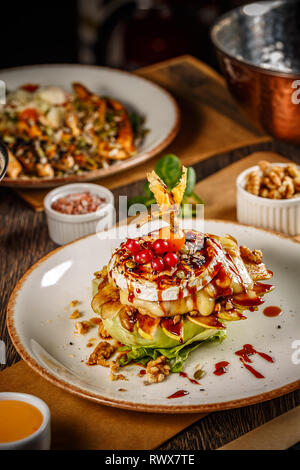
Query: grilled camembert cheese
point(164, 293)
point(213, 281)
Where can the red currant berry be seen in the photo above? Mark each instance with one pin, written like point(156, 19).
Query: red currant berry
point(161, 246)
point(171, 259)
point(144, 256)
point(158, 264)
point(132, 246)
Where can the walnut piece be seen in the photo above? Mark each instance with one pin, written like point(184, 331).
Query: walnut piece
point(253, 183)
point(254, 256)
point(114, 367)
point(91, 342)
point(157, 370)
point(293, 170)
point(101, 274)
point(287, 189)
point(75, 315)
point(274, 182)
point(101, 355)
point(95, 321)
point(264, 165)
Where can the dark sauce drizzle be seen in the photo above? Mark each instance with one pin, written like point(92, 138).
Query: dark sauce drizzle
point(193, 381)
point(179, 394)
point(245, 354)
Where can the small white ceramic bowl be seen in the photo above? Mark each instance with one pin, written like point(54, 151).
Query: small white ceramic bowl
point(40, 439)
point(65, 228)
point(281, 215)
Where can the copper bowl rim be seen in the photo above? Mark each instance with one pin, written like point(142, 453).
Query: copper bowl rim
point(246, 63)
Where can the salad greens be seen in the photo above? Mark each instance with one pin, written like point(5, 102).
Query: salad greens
point(142, 350)
point(176, 356)
point(168, 168)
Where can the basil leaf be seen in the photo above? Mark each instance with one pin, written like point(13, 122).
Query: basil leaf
point(191, 181)
point(168, 169)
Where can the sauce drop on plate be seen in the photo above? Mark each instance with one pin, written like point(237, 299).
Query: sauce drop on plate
point(272, 311)
point(18, 420)
point(179, 394)
point(221, 368)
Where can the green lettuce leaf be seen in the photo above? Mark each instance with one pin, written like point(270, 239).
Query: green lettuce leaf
point(176, 356)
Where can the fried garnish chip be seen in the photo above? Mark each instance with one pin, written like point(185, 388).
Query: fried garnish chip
point(179, 190)
point(159, 189)
point(168, 201)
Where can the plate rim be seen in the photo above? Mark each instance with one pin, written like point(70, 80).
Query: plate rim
point(101, 172)
point(141, 407)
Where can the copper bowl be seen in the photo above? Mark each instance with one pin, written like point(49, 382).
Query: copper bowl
point(258, 48)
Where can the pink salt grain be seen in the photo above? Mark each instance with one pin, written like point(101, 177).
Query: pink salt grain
point(78, 203)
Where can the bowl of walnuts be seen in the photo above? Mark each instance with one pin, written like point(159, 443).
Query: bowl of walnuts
point(268, 196)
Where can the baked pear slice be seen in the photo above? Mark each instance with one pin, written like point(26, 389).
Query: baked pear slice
point(207, 322)
point(232, 315)
point(173, 330)
point(147, 326)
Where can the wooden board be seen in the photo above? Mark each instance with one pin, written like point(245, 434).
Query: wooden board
point(211, 121)
point(78, 424)
point(218, 191)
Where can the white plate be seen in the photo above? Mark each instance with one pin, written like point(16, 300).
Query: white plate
point(140, 95)
point(39, 324)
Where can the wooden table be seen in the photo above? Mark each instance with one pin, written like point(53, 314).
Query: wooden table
point(24, 237)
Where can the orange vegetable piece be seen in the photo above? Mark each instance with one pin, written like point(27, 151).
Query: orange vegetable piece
point(27, 114)
point(176, 239)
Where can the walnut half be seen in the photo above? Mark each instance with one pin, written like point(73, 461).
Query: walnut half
point(254, 256)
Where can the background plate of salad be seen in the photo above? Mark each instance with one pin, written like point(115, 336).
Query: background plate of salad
point(67, 123)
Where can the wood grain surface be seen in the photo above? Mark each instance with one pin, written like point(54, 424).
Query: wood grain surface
point(24, 239)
